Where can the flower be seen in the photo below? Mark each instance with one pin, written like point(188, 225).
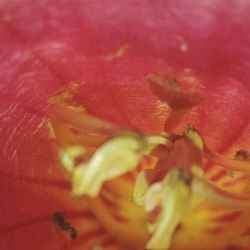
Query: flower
point(112, 50)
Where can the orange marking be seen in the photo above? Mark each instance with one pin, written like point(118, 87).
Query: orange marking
point(228, 216)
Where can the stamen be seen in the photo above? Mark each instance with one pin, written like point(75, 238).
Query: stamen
point(140, 189)
point(68, 156)
point(96, 153)
point(153, 196)
point(157, 139)
point(152, 142)
point(196, 170)
point(173, 195)
point(189, 147)
point(206, 190)
point(241, 161)
point(232, 164)
point(62, 114)
point(114, 158)
point(195, 137)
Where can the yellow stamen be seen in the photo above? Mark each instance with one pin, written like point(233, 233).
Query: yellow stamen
point(153, 141)
point(140, 189)
point(197, 171)
point(195, 137)
point(206, 190)
point(153, 196)
point(66, 115)
point(232, 164)
point(173, 195)
point(114, 158)
point(68, 156)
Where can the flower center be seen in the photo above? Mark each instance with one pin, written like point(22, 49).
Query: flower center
point(127, 177)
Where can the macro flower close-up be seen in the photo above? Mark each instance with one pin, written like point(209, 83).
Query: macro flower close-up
point(125, 125)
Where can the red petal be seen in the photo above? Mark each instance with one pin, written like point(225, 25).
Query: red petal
point(46, 44)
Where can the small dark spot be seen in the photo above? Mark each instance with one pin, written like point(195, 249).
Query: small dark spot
point(242, 155)
point(72, 232)
point(179, 227)
point(58, 217)
point(64, 225)
point(187, 179)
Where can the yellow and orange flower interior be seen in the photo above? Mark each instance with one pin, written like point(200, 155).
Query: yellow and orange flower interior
point(150, 191)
